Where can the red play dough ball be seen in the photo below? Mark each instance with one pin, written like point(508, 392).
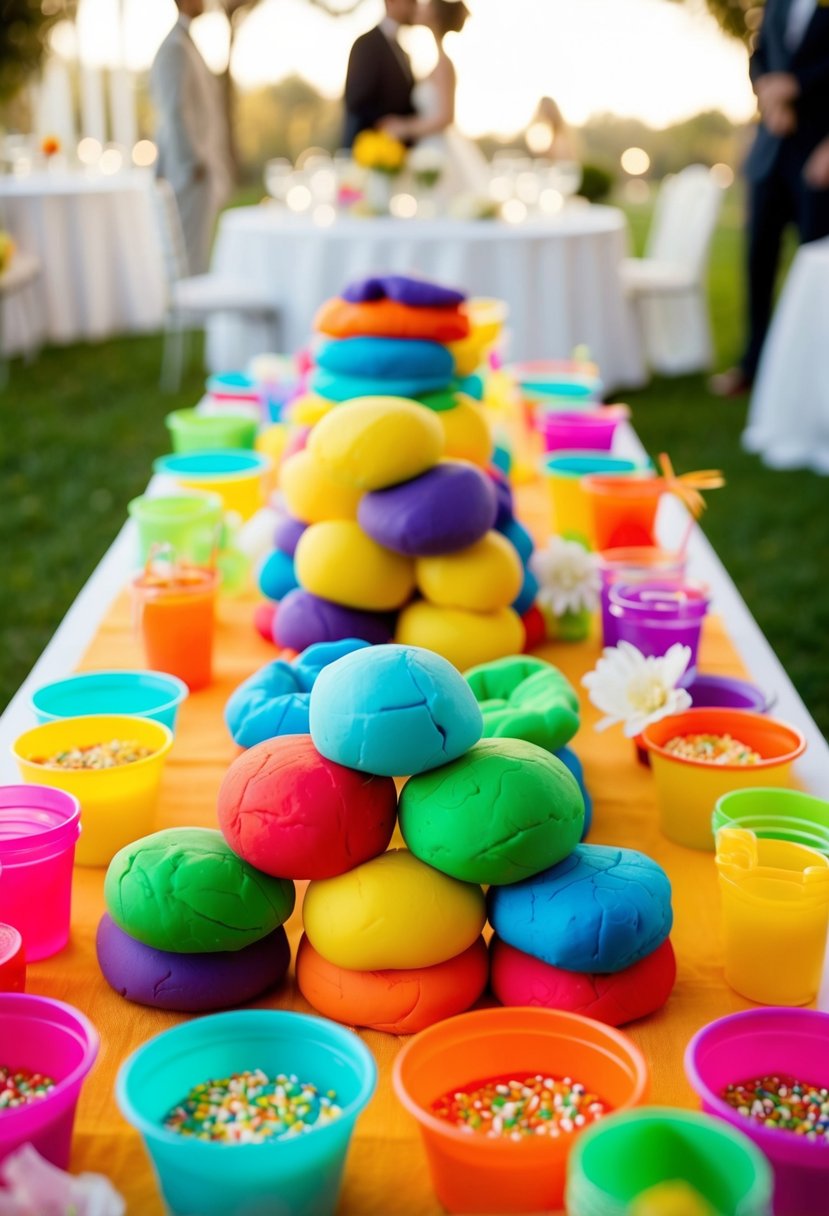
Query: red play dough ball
point(519, 979)
point(535, 627)
point(263, 617)
point(290, 812)
point(398, 1002)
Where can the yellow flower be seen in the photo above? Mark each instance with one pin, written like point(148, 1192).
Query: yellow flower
point(379, 151)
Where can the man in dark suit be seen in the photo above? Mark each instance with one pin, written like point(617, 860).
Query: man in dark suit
point(786, 179)
point(379, 81)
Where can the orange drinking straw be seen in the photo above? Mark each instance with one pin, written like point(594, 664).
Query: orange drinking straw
point(688, 487)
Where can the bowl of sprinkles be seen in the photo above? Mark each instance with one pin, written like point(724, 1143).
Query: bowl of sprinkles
point(237, 1108)
point(112, 763)
point(701, 754)
point(766, 1072)
point(501, 1095)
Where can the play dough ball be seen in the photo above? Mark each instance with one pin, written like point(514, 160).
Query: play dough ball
point(286, 534)
point(341, 388)
point(464, 638)
point(292, 813)
point(601, 909)
point(393, 709)
point(525, 698)
point(189, 983)
point(277, 575)
point(308, 409)
point(185, 890)
point(481, 578)
point(500, 813)
point(415, 292)
point(338, 562)
point(386, 358)
point(394, 911)
point(374, 442)
point(466, 432)
point(311, 494)
point(385, 318)
point(395, 1001)
point(634, 992)
point(304, 619)
point(263, 619)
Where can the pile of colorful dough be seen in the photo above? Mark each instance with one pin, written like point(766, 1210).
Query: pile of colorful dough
point(396, 524)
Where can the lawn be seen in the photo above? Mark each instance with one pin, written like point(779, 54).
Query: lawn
point(82, 426)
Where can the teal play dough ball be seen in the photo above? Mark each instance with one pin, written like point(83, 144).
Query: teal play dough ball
point(499, 814)
point(393, 711)
point(525, 698)
point(185, 890)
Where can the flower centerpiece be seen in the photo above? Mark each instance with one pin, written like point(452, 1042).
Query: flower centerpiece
point(383, 157)
point(633, 690)
point(568, 587)
point(426, 165)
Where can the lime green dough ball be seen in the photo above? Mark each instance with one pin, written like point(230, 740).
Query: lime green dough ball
point(525, 698)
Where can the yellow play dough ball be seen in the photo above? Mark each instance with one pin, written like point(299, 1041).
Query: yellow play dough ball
point(273, 441)
point(307, 410)
point(464, 638)
point(393, 911)
point(337, 561)
point(486, 576)
point(468, 354)
point(374, 442)
point(311, 494)
point(466, 432)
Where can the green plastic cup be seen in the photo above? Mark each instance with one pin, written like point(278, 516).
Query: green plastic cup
point(190, 524)
point(776, 815)
point(191, 431)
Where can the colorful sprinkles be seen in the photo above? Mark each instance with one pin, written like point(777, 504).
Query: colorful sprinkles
point(505, 1108)
point(783, 1102)
point(20, 1087)
point(712, 749)
point(97, 755)
point(251, 1107)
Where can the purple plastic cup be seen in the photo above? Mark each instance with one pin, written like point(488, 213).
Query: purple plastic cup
point(655, 615)
point(39, 1034)
point(635, 564)
point(568, 430)
point(39, 827)
point(756, 1043)
point(725, 692)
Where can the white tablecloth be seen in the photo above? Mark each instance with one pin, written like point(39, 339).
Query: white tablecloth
point(788, 423)
point(560, 277)
point(101, 264)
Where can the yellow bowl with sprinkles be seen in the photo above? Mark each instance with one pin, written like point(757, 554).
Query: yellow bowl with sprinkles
point(758, 750)
point(118, 802)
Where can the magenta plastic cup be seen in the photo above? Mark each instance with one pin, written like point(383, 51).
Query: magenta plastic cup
point(39, 1034)
point(39, 827)
point(756, 1043)
point(655, 615)
point(592, 431)
point(635, 564)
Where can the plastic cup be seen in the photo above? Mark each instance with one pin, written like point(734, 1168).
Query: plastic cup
point(634, 564)
point(776, 814)
point(39, 1034)
point(474, 1173)
point(565, 474)
point(299, 1176)
point(12, 960)
point(756, 1043)
point(234, 386)
point(658, 614)
point(191, 431)
point(725, 692)
point(623, 509)
point(145, 694)
point(39, 828)
point(188, 524)
point(775, 909)
point(587, 431)
point(615, 1160)
point(241, 479)
point(687, 790)
point(177, 623)
point(117, 804)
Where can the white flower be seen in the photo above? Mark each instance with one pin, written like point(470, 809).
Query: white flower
point(635, 690)
point(423, 159)
point(568, 577)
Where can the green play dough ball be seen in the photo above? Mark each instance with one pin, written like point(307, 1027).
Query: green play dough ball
point(185, 890)
point(525, 698)
point(504, 811)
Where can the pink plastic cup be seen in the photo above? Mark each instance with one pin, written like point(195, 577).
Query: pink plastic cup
point(592, 431)
point(42, 1035)
point(39, 827)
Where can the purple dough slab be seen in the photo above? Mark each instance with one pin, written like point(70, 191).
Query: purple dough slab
point(416, 293)
point(303, 619)
point(189, 983)
point(286, 534)
point(444, 510)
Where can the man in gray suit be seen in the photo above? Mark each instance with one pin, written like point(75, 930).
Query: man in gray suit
point(191, 134)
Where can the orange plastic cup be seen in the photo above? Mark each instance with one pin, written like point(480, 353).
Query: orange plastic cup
point(473, 1173)
point(177, 621)
point(623, 509)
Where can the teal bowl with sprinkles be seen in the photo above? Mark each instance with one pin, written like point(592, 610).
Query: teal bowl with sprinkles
point(196, 1094)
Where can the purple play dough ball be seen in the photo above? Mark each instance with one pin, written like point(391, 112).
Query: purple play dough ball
point(503, 492)
point(286, 534)
point(303, 619)
point(417, 293)
point(189, 983)
point(444, 510)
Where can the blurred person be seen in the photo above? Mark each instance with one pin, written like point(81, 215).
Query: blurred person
point(562, 144)
point(191, 134)
point(379, 80)
point(788, 167)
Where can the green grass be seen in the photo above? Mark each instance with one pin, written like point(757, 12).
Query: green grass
point(81, 427)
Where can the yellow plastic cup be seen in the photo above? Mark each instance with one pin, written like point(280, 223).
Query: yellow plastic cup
point(775, 909)
point(117, 804)
point(564, 473)
point(241, 479)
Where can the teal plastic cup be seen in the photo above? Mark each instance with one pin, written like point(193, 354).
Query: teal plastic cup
point(142, 694)
point(297, 1176)
point(191, 431)
point(776, 814)
point(190, 524)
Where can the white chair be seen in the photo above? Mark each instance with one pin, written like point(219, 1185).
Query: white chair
point(667, 286)
point(19, 309)
point(193, 299)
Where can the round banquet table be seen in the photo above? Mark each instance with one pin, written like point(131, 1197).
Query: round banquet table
point(100, 256)
point(559, 276)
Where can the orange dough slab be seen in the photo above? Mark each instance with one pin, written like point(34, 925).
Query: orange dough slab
point(388, 319)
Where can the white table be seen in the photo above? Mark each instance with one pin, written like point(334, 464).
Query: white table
point(788, 422)
point(560, 277)
point(97, 243)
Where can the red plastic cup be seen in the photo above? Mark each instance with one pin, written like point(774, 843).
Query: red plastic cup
point(12, 960)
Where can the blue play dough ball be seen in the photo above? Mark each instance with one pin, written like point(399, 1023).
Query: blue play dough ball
point(519, 538)
point(338, 387)
point(502, 459)
point(570, 760)
point(599, 910)
point(386, 358)
point(393, 711)
point(277, 575)
point(473, 386)
point(527, 594)
point(310, 663)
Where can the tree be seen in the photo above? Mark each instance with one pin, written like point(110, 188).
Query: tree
point(741, 18)
point(25, 26)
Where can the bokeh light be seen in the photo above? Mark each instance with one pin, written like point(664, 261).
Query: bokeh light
point(635, 161)
point(404, 206)
point(723, 175)
point(144, 153)
point(539, 138)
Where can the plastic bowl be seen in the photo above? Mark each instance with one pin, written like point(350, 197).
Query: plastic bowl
point(564, 472)
point(299, 1176)
point(39, 1034)
point(726, 692)
point(778, 814)
point(756, 1043)
point(117, 804)
point(474, 1173)
point(191, 431)
point(590, 430)
point(687, 790)
point(143, 694)
point(239, 478)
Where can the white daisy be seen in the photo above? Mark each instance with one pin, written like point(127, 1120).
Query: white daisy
point(568, 577)
point(634, 690)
